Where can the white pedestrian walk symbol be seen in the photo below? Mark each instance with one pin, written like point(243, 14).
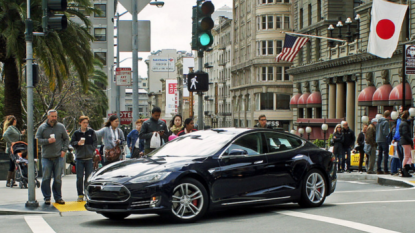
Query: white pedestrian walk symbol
point(194, 81)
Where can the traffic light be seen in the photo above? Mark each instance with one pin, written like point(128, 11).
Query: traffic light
point(202, 25)
point(50, 20)
point(198, 81)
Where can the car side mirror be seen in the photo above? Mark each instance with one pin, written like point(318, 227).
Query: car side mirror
point(238, 152)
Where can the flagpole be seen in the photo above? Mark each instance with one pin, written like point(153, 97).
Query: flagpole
point(312, 36)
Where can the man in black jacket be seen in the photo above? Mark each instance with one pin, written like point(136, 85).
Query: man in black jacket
point(262, 122)
point(349, 139)
point(151, 126)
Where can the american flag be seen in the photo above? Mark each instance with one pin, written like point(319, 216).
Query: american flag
point(292, 45)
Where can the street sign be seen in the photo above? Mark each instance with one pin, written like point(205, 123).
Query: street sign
point(126, 117)
point(409, 59)
point(198, 82)
point(126, 35)
point(123, 76)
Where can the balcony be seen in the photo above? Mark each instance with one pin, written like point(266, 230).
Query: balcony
point(225, 114)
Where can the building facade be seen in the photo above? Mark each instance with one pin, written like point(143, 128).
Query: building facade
point(341, 81)
point(260, 85)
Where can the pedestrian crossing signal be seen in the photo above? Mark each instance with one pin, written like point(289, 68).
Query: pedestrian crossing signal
point(198, 82)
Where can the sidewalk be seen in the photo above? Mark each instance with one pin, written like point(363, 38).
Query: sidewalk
point(381, 179)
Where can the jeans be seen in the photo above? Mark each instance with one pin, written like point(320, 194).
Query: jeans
point(370, 165)
point(346, 150)
point(81, 166)
point(383, 148)
point(49, 167)
point(400, 151)
point(339, 158)
point(395, 165)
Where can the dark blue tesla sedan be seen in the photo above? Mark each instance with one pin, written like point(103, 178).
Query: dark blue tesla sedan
point(214, 169)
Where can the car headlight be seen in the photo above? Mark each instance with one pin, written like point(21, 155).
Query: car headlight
point(90, 176)
point(150, 178)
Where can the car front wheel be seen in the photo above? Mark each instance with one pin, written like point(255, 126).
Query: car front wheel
point(313, 192)
point(189, 201)
point(116, 216)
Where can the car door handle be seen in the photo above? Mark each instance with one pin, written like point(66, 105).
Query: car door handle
point(259, 161)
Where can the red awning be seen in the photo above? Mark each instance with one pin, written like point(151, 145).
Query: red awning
point(314, 100)
point(381, 95)
point(294, 100)
point(395, 97)
point(302, 101)
point(366, 95)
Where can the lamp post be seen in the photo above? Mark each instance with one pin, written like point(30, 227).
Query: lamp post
point(349, 33)
point(308, 131)
point(365, 119)
point(357, 33)
point(324, 127)
point(331, 28)
point(292, 131)
point(301, 131)
point(339, 25)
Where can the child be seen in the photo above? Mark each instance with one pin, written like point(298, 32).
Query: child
point(23, 163)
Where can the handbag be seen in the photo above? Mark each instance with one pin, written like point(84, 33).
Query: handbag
point(391, 150)
point(113, 154)
point(155, 141)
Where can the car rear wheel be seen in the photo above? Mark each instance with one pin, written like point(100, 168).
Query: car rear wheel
point(313, 191)
point(189, 201)
point(116, 216)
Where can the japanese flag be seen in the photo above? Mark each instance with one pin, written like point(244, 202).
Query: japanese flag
point(385, 27)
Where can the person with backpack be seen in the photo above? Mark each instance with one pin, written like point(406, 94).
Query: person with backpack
point(382, 132)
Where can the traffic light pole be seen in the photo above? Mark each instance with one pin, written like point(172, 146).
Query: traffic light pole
point(135, 60)
point(200, 94)
point(30, 134)
point(117, 88)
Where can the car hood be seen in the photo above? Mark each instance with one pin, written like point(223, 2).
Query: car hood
point(125, 170)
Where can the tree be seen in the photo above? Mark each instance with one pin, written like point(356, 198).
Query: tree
point(56, 52)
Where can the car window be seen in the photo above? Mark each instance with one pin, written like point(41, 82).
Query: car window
point(277, 142)
point(251, 143)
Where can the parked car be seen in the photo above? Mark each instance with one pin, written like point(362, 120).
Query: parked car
point(214, 169)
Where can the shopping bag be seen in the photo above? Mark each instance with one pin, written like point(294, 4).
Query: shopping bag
point(412, 153)
point(331, 149)
point(155, 141)
point(391, 150)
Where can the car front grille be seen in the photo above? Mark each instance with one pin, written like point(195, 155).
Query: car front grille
point(107, 192)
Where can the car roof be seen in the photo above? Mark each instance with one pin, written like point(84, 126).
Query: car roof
point(234, 131)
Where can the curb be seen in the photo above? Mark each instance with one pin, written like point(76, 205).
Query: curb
point(380, 179)
point(21, 212)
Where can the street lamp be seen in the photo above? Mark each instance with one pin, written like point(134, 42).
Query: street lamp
point(308, 130)
point(324, 127)
point(292, 131)
point(349, 33)
point(331, 28)
point(394, 115)
point(301, 131)
point(378, 116)
point(158, 4)
point(365, 119)
point(357, 18)
point(339, 25)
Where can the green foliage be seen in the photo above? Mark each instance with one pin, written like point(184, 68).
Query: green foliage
point(319, 143)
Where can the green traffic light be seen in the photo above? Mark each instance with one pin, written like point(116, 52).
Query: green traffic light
point(204, 39)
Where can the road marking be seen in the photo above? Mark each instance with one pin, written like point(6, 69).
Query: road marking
point(353, 182)
point(372, 202)
point(371, 191)
point(335, 221)
point(38, 225)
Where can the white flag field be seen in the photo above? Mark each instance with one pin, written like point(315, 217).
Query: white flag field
point(385, 27)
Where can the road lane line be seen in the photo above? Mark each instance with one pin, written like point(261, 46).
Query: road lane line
point(372, 202)
point(335, 221)
point(38, 225)
point(352, 182)
point(371, 190)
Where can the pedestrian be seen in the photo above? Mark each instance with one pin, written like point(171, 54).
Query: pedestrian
point(338, 139)
point(136, 144)
point(85, 143)
point(262, 122)
point(395, 161)
point(54, 140)
point(360, 146)
point(189, 126)
point(112, 138)
point(382, 132)
point(370, 146)
point(349, 139)
point(397, 137)
point(70, 157)
point(153, 126)
point(11, 134)
point(407, 144)
point(176, 124)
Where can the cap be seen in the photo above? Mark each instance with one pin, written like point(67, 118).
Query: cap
point(374, 120)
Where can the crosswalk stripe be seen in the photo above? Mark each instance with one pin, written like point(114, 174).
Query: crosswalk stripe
point(38, 225)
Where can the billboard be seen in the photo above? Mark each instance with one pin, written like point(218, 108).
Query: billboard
point(163, 64)
point(171, 89)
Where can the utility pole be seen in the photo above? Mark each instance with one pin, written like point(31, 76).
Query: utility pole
point(135, 60)
point(200, 125)
point(30, 134)
point(118, 88)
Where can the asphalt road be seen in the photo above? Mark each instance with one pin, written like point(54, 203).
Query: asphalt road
point(355, 207)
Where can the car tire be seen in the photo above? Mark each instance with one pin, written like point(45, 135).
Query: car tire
point(115, 216)
point(189, 201)
point(313, 189)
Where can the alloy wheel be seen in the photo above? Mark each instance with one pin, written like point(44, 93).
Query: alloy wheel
point(315, 188)
point(187, 201)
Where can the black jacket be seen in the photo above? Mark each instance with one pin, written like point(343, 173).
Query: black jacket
point(87, 150)
point(338, 143)
point(149, 127)
point(405, 132)
point(267, 126)
point(361, 140)
point(349, 138)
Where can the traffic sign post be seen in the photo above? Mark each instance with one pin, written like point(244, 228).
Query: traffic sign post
point(123, 76)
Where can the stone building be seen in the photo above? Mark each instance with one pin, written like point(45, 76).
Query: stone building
point(260, 85)
point(341, 81)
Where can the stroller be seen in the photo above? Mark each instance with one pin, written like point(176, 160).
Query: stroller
point(17, 149)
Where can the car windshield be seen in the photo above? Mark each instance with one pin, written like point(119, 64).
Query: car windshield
point(194, 144)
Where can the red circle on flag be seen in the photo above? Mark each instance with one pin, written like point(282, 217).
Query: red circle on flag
point(385, 29)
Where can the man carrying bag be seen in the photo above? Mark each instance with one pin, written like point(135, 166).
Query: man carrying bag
point(153, 131)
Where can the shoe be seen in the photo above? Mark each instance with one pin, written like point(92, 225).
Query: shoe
point(80, 198)
point(405, 171)
point(61, 201)
point(8, 184)
point(371, 172)
point(387, 173)
point(380, 172)
point(47, 202)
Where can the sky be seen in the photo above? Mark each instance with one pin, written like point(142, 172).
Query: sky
point(171, 27)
